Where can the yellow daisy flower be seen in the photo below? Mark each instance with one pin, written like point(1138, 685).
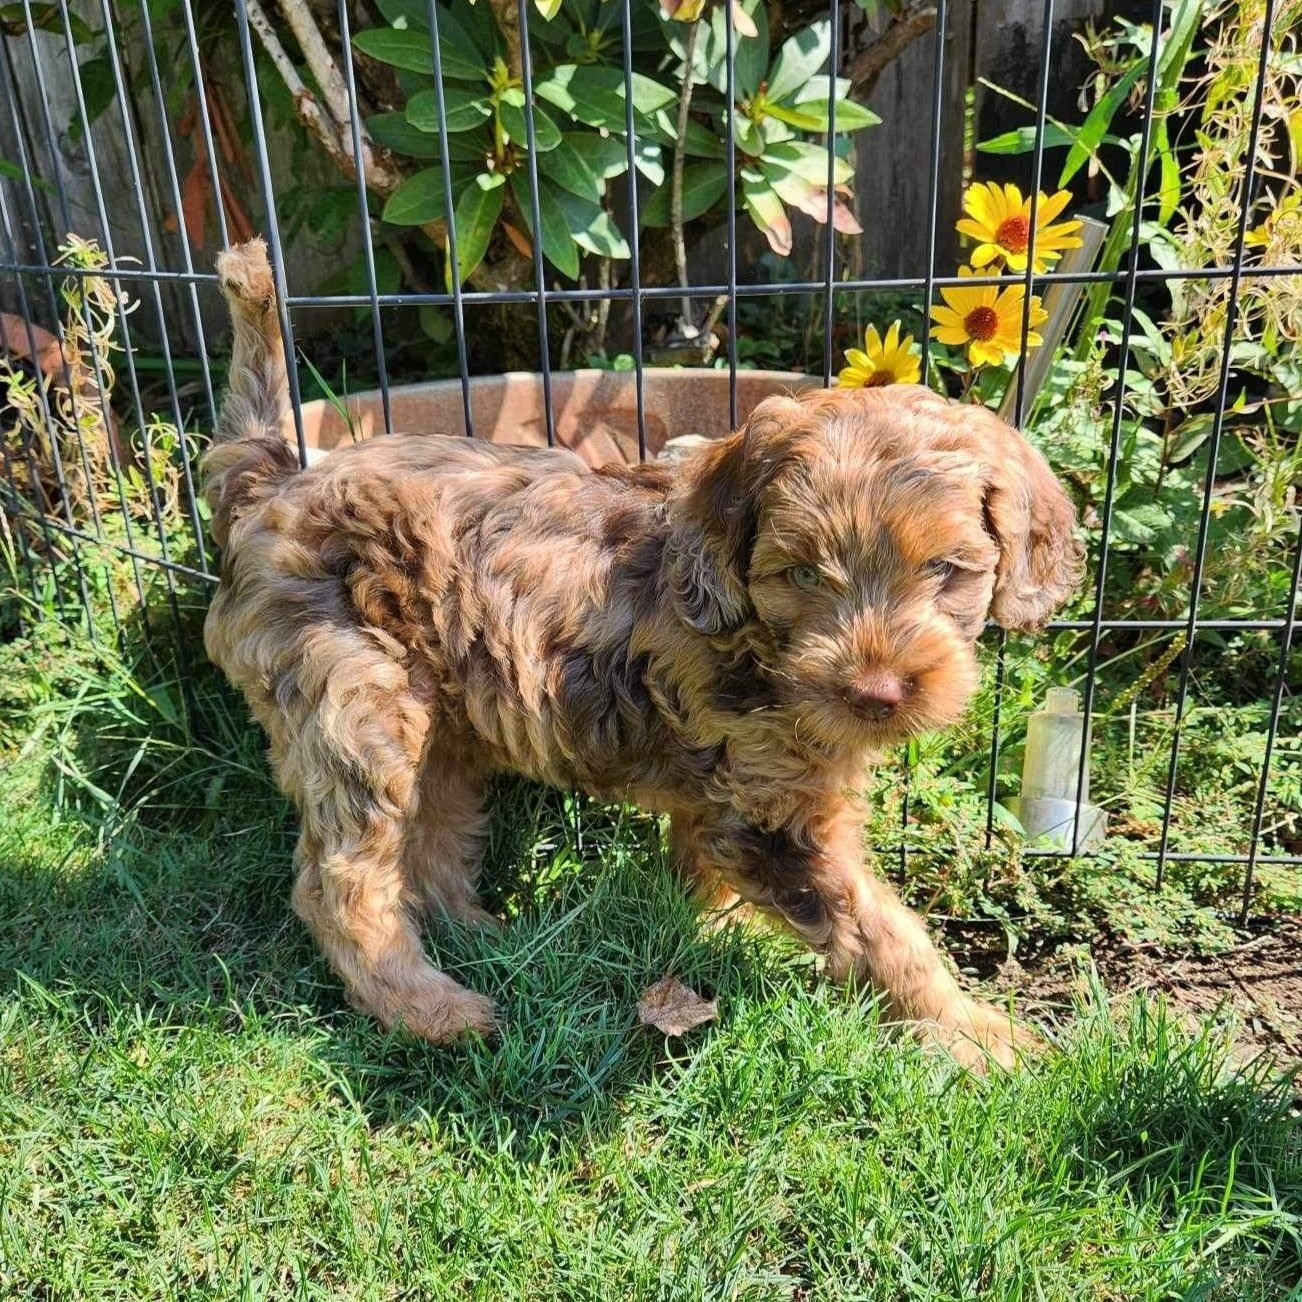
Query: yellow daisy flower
point(999, 219)
point(889, 361)
point(988, 319)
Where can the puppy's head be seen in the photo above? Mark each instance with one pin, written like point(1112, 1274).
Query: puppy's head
point(858, 540)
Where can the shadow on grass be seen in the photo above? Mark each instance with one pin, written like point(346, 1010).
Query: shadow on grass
point(147, 864)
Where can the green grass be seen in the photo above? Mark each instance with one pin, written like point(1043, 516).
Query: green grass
point(188, 1109)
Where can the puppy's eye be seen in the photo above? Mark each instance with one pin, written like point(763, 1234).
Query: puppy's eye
point(805, 576)
point(942, 570)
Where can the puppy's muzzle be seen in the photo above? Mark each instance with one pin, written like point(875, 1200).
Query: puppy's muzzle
point(876, 694)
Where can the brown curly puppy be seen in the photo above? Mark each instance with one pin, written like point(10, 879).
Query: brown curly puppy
point(729, 640)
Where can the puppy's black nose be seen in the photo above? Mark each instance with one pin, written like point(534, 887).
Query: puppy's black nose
point(875, 695)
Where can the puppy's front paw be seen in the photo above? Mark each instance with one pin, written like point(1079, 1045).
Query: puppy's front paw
point(977, 1035)
point(436, 1008)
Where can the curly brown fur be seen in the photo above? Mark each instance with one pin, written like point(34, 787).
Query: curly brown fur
point(729, 640)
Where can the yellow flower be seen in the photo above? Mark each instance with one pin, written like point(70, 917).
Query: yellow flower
point(892, 361)
point(988, 319)
point(999, 219)
point(1283, 222)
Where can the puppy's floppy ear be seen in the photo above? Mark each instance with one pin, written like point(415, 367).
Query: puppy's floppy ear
point(1032, 519)
point(714, 513)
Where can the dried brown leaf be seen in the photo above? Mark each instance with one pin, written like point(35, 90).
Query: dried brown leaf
point(674, 1008)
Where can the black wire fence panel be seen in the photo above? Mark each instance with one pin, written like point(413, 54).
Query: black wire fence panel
point(137, 137)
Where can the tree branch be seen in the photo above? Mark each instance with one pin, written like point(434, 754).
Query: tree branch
point(331, 125)
point(868, 65)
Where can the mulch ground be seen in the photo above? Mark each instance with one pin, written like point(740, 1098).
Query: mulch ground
point(1256, 987)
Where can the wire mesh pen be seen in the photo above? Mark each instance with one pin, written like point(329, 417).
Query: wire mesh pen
point(93, 147)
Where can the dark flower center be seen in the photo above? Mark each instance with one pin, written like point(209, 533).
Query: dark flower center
point(1014, 234)
point(981, 323)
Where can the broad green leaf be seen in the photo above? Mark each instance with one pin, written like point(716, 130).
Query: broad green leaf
point(546, 134)
point(418, 200)
point(1168, 172)
point(98, 88)
point(590, 226)
point(595, 94)
point(767, 212)
point(393, 131)
point(411, 50)
point(698, 140)
point(1022, 140)
point(1096, 124)
point(477, 211)
point(465, 109)
point(403, 14)
point(44, 18)
point(557, 244)
point(751, 53)
point(808, 161)
point(580, 169)
point(849, 115)
point(704, 184)
point(795, 116)
point(799, 59)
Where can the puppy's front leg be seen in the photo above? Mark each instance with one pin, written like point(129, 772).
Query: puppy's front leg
point(813, 877)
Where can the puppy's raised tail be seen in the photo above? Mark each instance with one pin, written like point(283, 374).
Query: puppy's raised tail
point(250, 453)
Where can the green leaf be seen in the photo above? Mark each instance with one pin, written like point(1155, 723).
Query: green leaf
point(796, 117)
point(44, 18)
point(477, 211)
point(393, 131)
point(557, 244)
point(767, 212)
point(417, 201)
point(595, 94)
point(1096, 124)
point(579, 169)
point(436, 323)
point(411, 50)
point(1140, 522)
point(404, 13)
point(465, 110)
point(1168, 172)
point(751, 53)
point(98, 88)
point(698, 141)
point(590, 226)
point(849, 115)
point(704, 184)
point(510, 108)
point(808, 161)
point(1022, 140)
point(799, 59)
point(13, 172)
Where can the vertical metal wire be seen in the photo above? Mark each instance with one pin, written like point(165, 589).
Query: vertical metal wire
point(449, 207)
point(124, 328)
point(26, 164)
point(635, 255)
point(205, 121)
point(364, 214)
point(730, 61)
point(101, 387)
point(1114, 443)
point(273, 223)
point(127, 107)
point(928, 297)
point(535, 207)
point(829, 262)
point(1272, 730)
point(192, 292)
point(1214, 441)
point(1001, 653)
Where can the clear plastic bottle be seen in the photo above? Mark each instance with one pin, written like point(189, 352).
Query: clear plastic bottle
point(1051, 776)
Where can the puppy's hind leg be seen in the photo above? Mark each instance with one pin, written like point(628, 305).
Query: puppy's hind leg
point(351, 765)
point(445, 836)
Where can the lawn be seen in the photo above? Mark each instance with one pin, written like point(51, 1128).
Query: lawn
point(189, 1109)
